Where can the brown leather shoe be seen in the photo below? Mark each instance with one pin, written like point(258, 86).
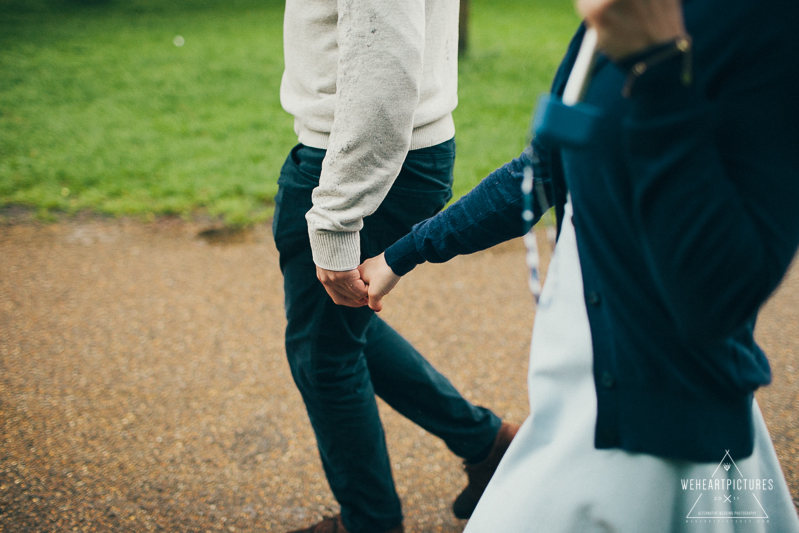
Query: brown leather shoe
point(479, 474)
point(329, 524)
point(333, 524)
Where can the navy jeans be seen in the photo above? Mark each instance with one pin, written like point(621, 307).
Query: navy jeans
point(340, 357)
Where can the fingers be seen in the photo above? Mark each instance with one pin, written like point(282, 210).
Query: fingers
point(346, 301)
point(345, 288)
point(375, 302)
point(351, 289)
point(366, 285)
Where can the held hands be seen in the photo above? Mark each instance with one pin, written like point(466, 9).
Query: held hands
point(365, 285)
point(345, 288)
point(625, 27)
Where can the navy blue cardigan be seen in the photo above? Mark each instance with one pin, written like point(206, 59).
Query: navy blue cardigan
point(687, 218)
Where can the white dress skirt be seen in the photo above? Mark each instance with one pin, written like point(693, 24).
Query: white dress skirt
point(553, 480)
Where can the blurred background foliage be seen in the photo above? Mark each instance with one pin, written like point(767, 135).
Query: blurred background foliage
point(148, 108)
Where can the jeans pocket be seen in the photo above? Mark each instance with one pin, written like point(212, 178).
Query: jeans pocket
point(292, 202)
point(302, 167)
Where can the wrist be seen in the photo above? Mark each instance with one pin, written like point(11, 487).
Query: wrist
point(640, 63)
point(402, 256)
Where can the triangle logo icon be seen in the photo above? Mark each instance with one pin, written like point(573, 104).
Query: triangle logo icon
point(727, 494)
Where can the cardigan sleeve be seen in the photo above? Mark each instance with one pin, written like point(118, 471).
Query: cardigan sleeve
point(716, 182)
point(489, 214)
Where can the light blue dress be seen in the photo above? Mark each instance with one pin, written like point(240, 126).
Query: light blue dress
point(553, 480)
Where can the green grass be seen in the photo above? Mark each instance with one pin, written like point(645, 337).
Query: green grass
point(100, 111)
point(515, 48)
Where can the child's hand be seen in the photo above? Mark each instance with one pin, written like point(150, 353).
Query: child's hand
point(380, 279)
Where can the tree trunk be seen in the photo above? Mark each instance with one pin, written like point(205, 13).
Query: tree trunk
point(463, 27)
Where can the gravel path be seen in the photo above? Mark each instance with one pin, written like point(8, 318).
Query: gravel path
point(144, 387)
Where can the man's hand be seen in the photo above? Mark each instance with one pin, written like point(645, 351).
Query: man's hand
point(380, 279)
point(628, 26)
point(346, 288)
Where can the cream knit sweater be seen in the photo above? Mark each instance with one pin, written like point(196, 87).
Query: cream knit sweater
point(367, 80)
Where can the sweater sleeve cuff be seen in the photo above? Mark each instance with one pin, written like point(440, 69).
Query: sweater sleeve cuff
point(402, 256)
point(334, 250)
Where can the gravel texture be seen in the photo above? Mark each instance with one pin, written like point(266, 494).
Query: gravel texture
point(144, 387)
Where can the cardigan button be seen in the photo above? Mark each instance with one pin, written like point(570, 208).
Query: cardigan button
point(607, 380)
point(594, 298)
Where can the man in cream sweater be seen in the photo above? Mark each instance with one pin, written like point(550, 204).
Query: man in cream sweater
point(372, 85)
